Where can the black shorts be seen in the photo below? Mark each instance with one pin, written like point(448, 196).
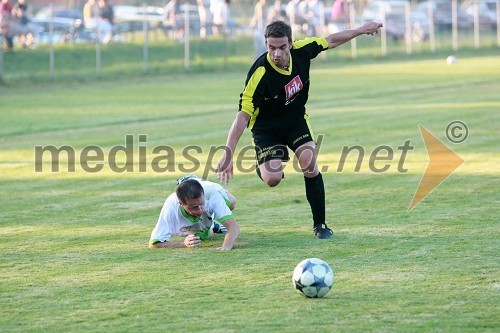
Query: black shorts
point(272, 145)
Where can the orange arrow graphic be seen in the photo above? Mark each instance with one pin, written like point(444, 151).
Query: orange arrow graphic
point(442, 162)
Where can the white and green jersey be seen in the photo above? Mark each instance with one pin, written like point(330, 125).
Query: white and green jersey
point(174, 221)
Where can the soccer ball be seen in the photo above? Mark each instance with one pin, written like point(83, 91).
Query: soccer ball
point(451, 60)
point(313, 278)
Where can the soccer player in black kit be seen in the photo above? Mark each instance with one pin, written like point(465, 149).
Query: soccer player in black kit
point(272, 106)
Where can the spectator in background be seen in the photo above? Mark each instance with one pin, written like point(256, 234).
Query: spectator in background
point(106, 16)
point(5, 24)
point(258, 23)
point(220, 15)
point(262, 16)
point(205, 17)
point(106, 11)
point(169, 12)
point(292, 12)
point(340, 11)
point(20, 13)
point(171, 20)
point(93, 20)
point(277, 13)
point(313, 12)
point(90, 13)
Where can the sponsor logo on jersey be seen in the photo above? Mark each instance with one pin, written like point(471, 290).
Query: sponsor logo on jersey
point(293, 88)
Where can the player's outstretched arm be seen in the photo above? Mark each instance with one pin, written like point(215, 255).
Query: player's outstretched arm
point(339, 38)
point(224, 169)
point(233, 230)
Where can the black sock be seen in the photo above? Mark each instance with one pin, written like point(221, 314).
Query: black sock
point(315, 193)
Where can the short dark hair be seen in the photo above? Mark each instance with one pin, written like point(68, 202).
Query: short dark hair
point(189, 189)
point(278, 29)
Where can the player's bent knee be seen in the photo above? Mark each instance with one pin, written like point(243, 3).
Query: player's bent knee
point(272, 181)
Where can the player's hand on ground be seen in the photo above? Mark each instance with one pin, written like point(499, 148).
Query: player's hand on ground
point(192, 241)
point(224, 248)
point(224, 169)
point(370, 27)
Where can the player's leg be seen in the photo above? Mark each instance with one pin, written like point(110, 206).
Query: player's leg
point(305, 151)
point(307, 159)
point(315, 188)
point(271, 152)
point(271, 172)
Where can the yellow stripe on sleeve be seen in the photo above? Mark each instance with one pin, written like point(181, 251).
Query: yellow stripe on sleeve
point(247, 95)
point(320, 40)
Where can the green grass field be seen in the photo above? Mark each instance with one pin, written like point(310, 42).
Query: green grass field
point(74, 254)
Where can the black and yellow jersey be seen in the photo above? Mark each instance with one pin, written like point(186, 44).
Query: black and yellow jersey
point(274, 97)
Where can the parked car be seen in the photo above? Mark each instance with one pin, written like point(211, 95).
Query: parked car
point(442, 14)
point(61, 12)
point(395, 26)
point(180, 19)
point(64, 30)
point(68, 26)
point(395, 19)
point(131, 18)
point(487, 10)
point(374, 9)
point(138, 13)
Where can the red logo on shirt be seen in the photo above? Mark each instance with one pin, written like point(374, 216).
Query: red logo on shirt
point(293, 87)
